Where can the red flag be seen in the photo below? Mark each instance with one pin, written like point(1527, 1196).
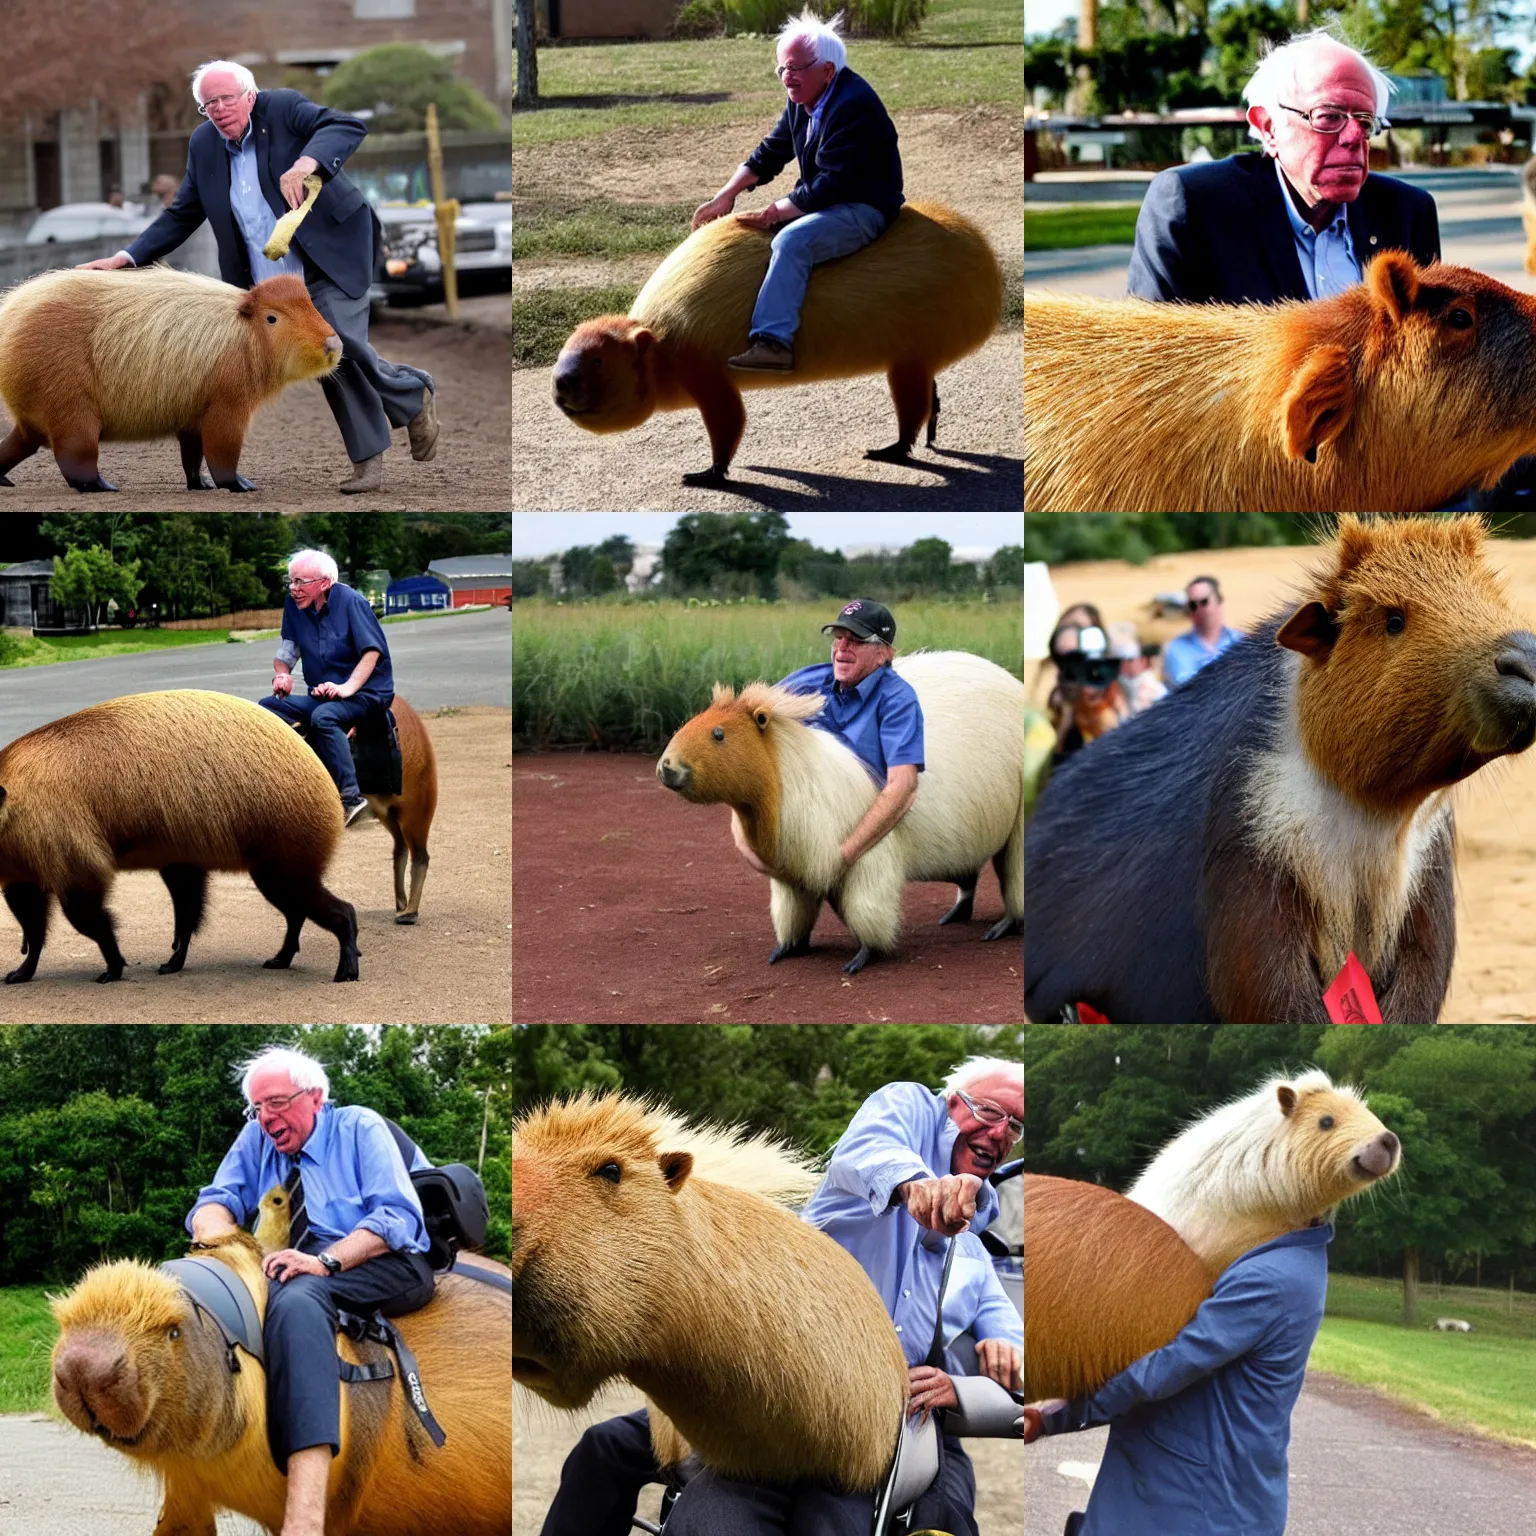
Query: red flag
point(1350, 999)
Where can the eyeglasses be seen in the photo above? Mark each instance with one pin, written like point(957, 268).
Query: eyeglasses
point(277, 1106)
point(303, 581)
point(796, 69)
point(1200, 602)
point(226, 102)
point(1332, 119)
point(991, 1114)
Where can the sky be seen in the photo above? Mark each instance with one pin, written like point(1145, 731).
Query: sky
point(547, 533)
point(1042, 17)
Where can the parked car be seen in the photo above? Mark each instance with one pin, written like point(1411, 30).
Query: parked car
point(87, 221)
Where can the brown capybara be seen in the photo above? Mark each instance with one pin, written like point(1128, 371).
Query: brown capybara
point(926, 293)
point(1105, 1282)
point(1218, 858)
point(1393, 396)
point(408, 815)
point(182, 782)
point(1274, 1160)
point(92, 357)
point(652, 1250)
point(139, 1368)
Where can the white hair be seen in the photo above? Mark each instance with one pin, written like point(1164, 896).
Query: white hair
point(825, 37)
point(318, 558)
point(243, 77)
point(976, 1068)
point(304, 1072)
point(1280, 65)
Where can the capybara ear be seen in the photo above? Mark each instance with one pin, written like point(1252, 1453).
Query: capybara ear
point(762, 717)
point(1319, 403)
point(1312, 632)
point(1393, 282)
point(248, 306)
point(675, 1168)
point(1356, 539)
point(1286, 1094)
point(642, 340)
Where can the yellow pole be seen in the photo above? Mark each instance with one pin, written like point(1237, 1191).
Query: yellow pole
point(447, 210)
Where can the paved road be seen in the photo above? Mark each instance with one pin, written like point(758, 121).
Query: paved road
point(1358, 1464)
point(1479, 227)
point(456, 659)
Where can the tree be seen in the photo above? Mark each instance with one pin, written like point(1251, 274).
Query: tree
point(90, 579)
point(527, 57)
point(925, 564)
point(397, 80)
point(704, 547)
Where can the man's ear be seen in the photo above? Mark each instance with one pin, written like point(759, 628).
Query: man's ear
point(1319, 403)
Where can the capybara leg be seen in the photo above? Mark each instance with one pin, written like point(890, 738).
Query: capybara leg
point(794, 912)
point(392, 821)
point(284, 957)
point(223, 434)
point(84, 908)
point(912, 390)
point(321, 907)
point(859, 961)
point(420, 859)
point(1009, 864)
point(725, 419)
point(185, 1513)
point(188, 886)
point(191, 441)
point(29, 906)
point(20, 443)
point(933, 417)
point(965, 899)
point(76, 458)
point(340, 917)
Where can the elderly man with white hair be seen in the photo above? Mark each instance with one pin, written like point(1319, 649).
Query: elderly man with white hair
point(1299, 221)
point(333, 632)
point(357, 1239)
point(838, 131)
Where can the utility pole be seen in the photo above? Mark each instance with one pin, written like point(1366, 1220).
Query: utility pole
point(527, 57)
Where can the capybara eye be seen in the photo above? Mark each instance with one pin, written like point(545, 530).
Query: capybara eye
point(1459, 319)
point(1396, 622)
point(175, 1332)
point(1326, 1123)
point(718, 733)
point(271, 319)
point(609, 1171)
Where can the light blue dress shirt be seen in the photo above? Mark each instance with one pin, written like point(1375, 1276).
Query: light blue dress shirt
point(1327, 257)
point(903, 1131)
point(880, 718)
point(1185, 654)
point(252, 212)
point(353, 1177)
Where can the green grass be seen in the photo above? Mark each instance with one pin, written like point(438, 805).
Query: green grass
point(40, 653)
point(627, 674)
point(599, 228)
point(1062, 229)
point(544, 317)
point(27, 1333)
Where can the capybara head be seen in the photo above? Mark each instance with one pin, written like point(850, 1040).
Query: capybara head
point(727, 754)
point(603, 376)
point(139, 1366)
point(296, 337)
point(1416, 671)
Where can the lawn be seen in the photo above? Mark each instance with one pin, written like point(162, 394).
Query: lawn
point(27, 1333)
point(116, 642)
point(1062, 229)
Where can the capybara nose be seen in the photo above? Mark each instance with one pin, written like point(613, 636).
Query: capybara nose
point(568, 382)
point(673, 775)
point(1378, 1157)
point(333, 345)
point(1518, 658)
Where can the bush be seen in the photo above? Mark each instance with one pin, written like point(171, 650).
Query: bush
point(886, 18)
point(700, 18)
point(396, 81)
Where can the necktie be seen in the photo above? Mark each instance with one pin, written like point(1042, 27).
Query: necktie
point(298, 1216)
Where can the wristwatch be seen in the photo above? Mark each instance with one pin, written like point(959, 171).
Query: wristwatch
point(331, 1262)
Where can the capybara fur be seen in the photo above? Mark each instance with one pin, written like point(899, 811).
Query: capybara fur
point(1107, 1281)
point(273, 1217)
point(182, 782)
point(1279, 1158)
point(408, 815)
point(139, 1368)
point(1393, 396)
point(798, 791)
point(93, 357)
point(924, 294)
point(1219, 857)
point(652, 1250)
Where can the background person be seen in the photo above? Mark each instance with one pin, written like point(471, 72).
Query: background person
point(1206, 638)
point(1138, 685)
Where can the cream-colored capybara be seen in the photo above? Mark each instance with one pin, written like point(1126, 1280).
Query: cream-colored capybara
point(923, 295)
point(798, 791)
point(652, 1250)
point(137, 1366)
point(182, 782)
point(408, 815)
point(1106, 1282)
point(94, 357)
point(1393, 396)
point(1279, 1158)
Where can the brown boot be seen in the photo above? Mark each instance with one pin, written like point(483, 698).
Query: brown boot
point(765, 356)
point(367, 475)
point(423, 429)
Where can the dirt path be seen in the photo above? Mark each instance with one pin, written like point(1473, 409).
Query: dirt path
point(452, 967)
point(294, 452)
point(631, 906)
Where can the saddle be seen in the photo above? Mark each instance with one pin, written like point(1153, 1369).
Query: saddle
point(376, 757)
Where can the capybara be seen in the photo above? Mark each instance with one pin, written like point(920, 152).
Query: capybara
point(272, 1220)
point(1393, 396)
point(652, 1250)
point(922, 296)
point(1106, 1281)
point(408, 815)
point(93, 357)
point(798, 791)
point(140, 1368)
point(1219, 856)
point(182, 782)
point(1265, 1164)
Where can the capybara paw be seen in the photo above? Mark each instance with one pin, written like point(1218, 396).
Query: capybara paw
point(278, 962)
point(200, 483)
point(892, 453)
point(347, 969)
point(236, 483)
point(784, 951)
point(405, 917)
point(6, 480)
point(1003, 927)
point(173, 965)
point(112, 973)
point(716, 474)
point(20, 974)
point(959, 913)
point(859, 961)
point(96, 483)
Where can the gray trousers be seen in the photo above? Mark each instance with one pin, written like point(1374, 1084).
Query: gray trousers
point(367, 394)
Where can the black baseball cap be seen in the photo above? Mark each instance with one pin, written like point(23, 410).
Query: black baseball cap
point(865, 618)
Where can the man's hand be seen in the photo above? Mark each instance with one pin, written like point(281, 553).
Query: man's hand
point(1035, 1416)
point(105, 264)
point(716, 208)
point(288, 1262)
point(331, 691)
point(943, 1205)
point(931, 1388)
point(292, 180)
point(282, 684)
point(1001, 1361)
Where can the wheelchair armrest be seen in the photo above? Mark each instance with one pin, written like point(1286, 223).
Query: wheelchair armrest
point(986, 1410)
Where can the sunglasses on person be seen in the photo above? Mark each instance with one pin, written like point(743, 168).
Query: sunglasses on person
point(1200, 602)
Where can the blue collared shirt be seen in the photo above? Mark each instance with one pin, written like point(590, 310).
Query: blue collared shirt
point(252, 212)
point(330, 641)
point(813, 127)
point(879, 718)
point(1327, 256)
point(353, 1177)
point(1185, 654)
point(903, 1131)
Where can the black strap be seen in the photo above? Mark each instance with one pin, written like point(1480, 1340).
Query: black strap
point(380, 1330)
point(936, 1349)
point(411, 1381)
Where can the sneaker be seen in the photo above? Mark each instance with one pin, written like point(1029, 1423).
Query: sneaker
point(352, 809)
point(765, 356)
point(423, 429)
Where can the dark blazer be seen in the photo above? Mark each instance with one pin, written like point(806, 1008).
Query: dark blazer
point(338, 232)
point(1218, 233)
point(852, 159)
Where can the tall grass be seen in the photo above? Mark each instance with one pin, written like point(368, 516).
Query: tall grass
point(624, 676)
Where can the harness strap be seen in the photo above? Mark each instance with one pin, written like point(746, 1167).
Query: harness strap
point(379, 1330)
point(411, 1380)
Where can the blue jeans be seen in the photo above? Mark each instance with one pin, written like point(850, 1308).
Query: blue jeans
point(798, 246)
point(328, 721)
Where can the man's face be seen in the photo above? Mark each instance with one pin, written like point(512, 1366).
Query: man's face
point(227, 102)
point(1206, 611)
point(290, 1125)
point(979, 1148)
point(1323, 167)
point(308, 586)
point(804, 79)
point(854, 659)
